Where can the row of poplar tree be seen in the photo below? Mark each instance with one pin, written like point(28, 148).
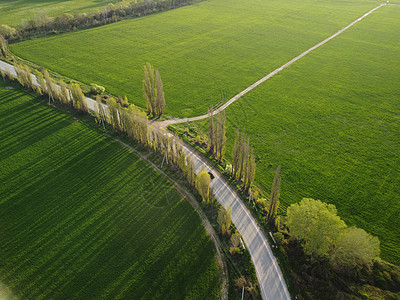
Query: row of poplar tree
point(243, 160)
point(57, 92)
point(129, 119)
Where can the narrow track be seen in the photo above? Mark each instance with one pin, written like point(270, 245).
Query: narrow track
point(265, 78)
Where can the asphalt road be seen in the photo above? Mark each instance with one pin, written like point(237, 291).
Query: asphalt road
point(269, 274)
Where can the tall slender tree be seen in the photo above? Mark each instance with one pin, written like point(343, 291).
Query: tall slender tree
point(153, 91)
point(160, 99)
point(252, 170)
point(211, 128)
point(49, 84)
point(148, 89)
point(275, 194)
point(3, 46)
point(236, 154)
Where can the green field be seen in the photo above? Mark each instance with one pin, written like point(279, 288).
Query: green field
point(83, 218)
point(199, 49)
point(12, 12)
point(332, 120)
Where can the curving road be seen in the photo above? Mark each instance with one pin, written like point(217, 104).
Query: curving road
point(265, 78)
point(269, 274)
point(270, 278)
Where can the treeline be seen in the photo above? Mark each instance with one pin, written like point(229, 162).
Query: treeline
point(123, 118)
point(43, 24)
point(44, 85)
point(243, 168)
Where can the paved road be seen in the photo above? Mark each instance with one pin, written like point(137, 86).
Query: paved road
point(265, 78)
point(272, 283)
point(269, 274)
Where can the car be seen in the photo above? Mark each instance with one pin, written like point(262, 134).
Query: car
point(211, 175)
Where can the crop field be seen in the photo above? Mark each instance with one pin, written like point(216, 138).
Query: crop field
point(82, 217)
point(14, 11)
point(200, 50)
point(332, 120)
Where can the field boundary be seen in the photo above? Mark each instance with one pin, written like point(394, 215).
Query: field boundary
point(273, 73)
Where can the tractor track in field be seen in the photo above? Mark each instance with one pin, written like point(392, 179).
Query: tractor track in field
point(273, 73)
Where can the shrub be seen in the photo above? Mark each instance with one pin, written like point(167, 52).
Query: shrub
point(97, 89)
point(261, 202)
point(278, 236)
point(7, 31)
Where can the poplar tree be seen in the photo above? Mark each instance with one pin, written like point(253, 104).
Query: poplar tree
point(153, 91)
point(78, 99)
point(3, 46)
point(241, 151)
point(148, 89)
point(191, 175)
point(245, 161)
point(221, 135)
point(160, 99)
point(252, 170)
point(216, 134)
point(224, 220)
point(113, 110)
point(236, 154)
point(41, 82)
point(274, 199)
point(211, 132)
point(203, 185)
point(48, 84)
point(64, 93)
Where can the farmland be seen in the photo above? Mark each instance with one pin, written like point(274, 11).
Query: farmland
point(200, 50)
point(13, 12)
point(82, 217)
point(332, 121)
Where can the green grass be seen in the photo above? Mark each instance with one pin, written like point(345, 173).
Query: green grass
point(200, 49)
point(12, 12)
point(332, 120)
point(82, 217)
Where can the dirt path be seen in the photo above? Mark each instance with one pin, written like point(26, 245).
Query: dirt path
point(265, 78)
point(206, 223)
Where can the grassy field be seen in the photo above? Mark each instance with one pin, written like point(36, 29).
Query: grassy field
point(14, 11)
point(200, 50)
point(332, 120)
point(82, 217)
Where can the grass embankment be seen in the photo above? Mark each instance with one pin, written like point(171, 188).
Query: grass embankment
point(332, 121)
point(13, 12)
point(81, 216)
point(213, 46)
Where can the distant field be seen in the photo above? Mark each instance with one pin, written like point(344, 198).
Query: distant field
point(12, 12)
point(83, 218)
point(333, 121)
point(200, 49)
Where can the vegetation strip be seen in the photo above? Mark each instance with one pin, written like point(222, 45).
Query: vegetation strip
point(265, 78)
